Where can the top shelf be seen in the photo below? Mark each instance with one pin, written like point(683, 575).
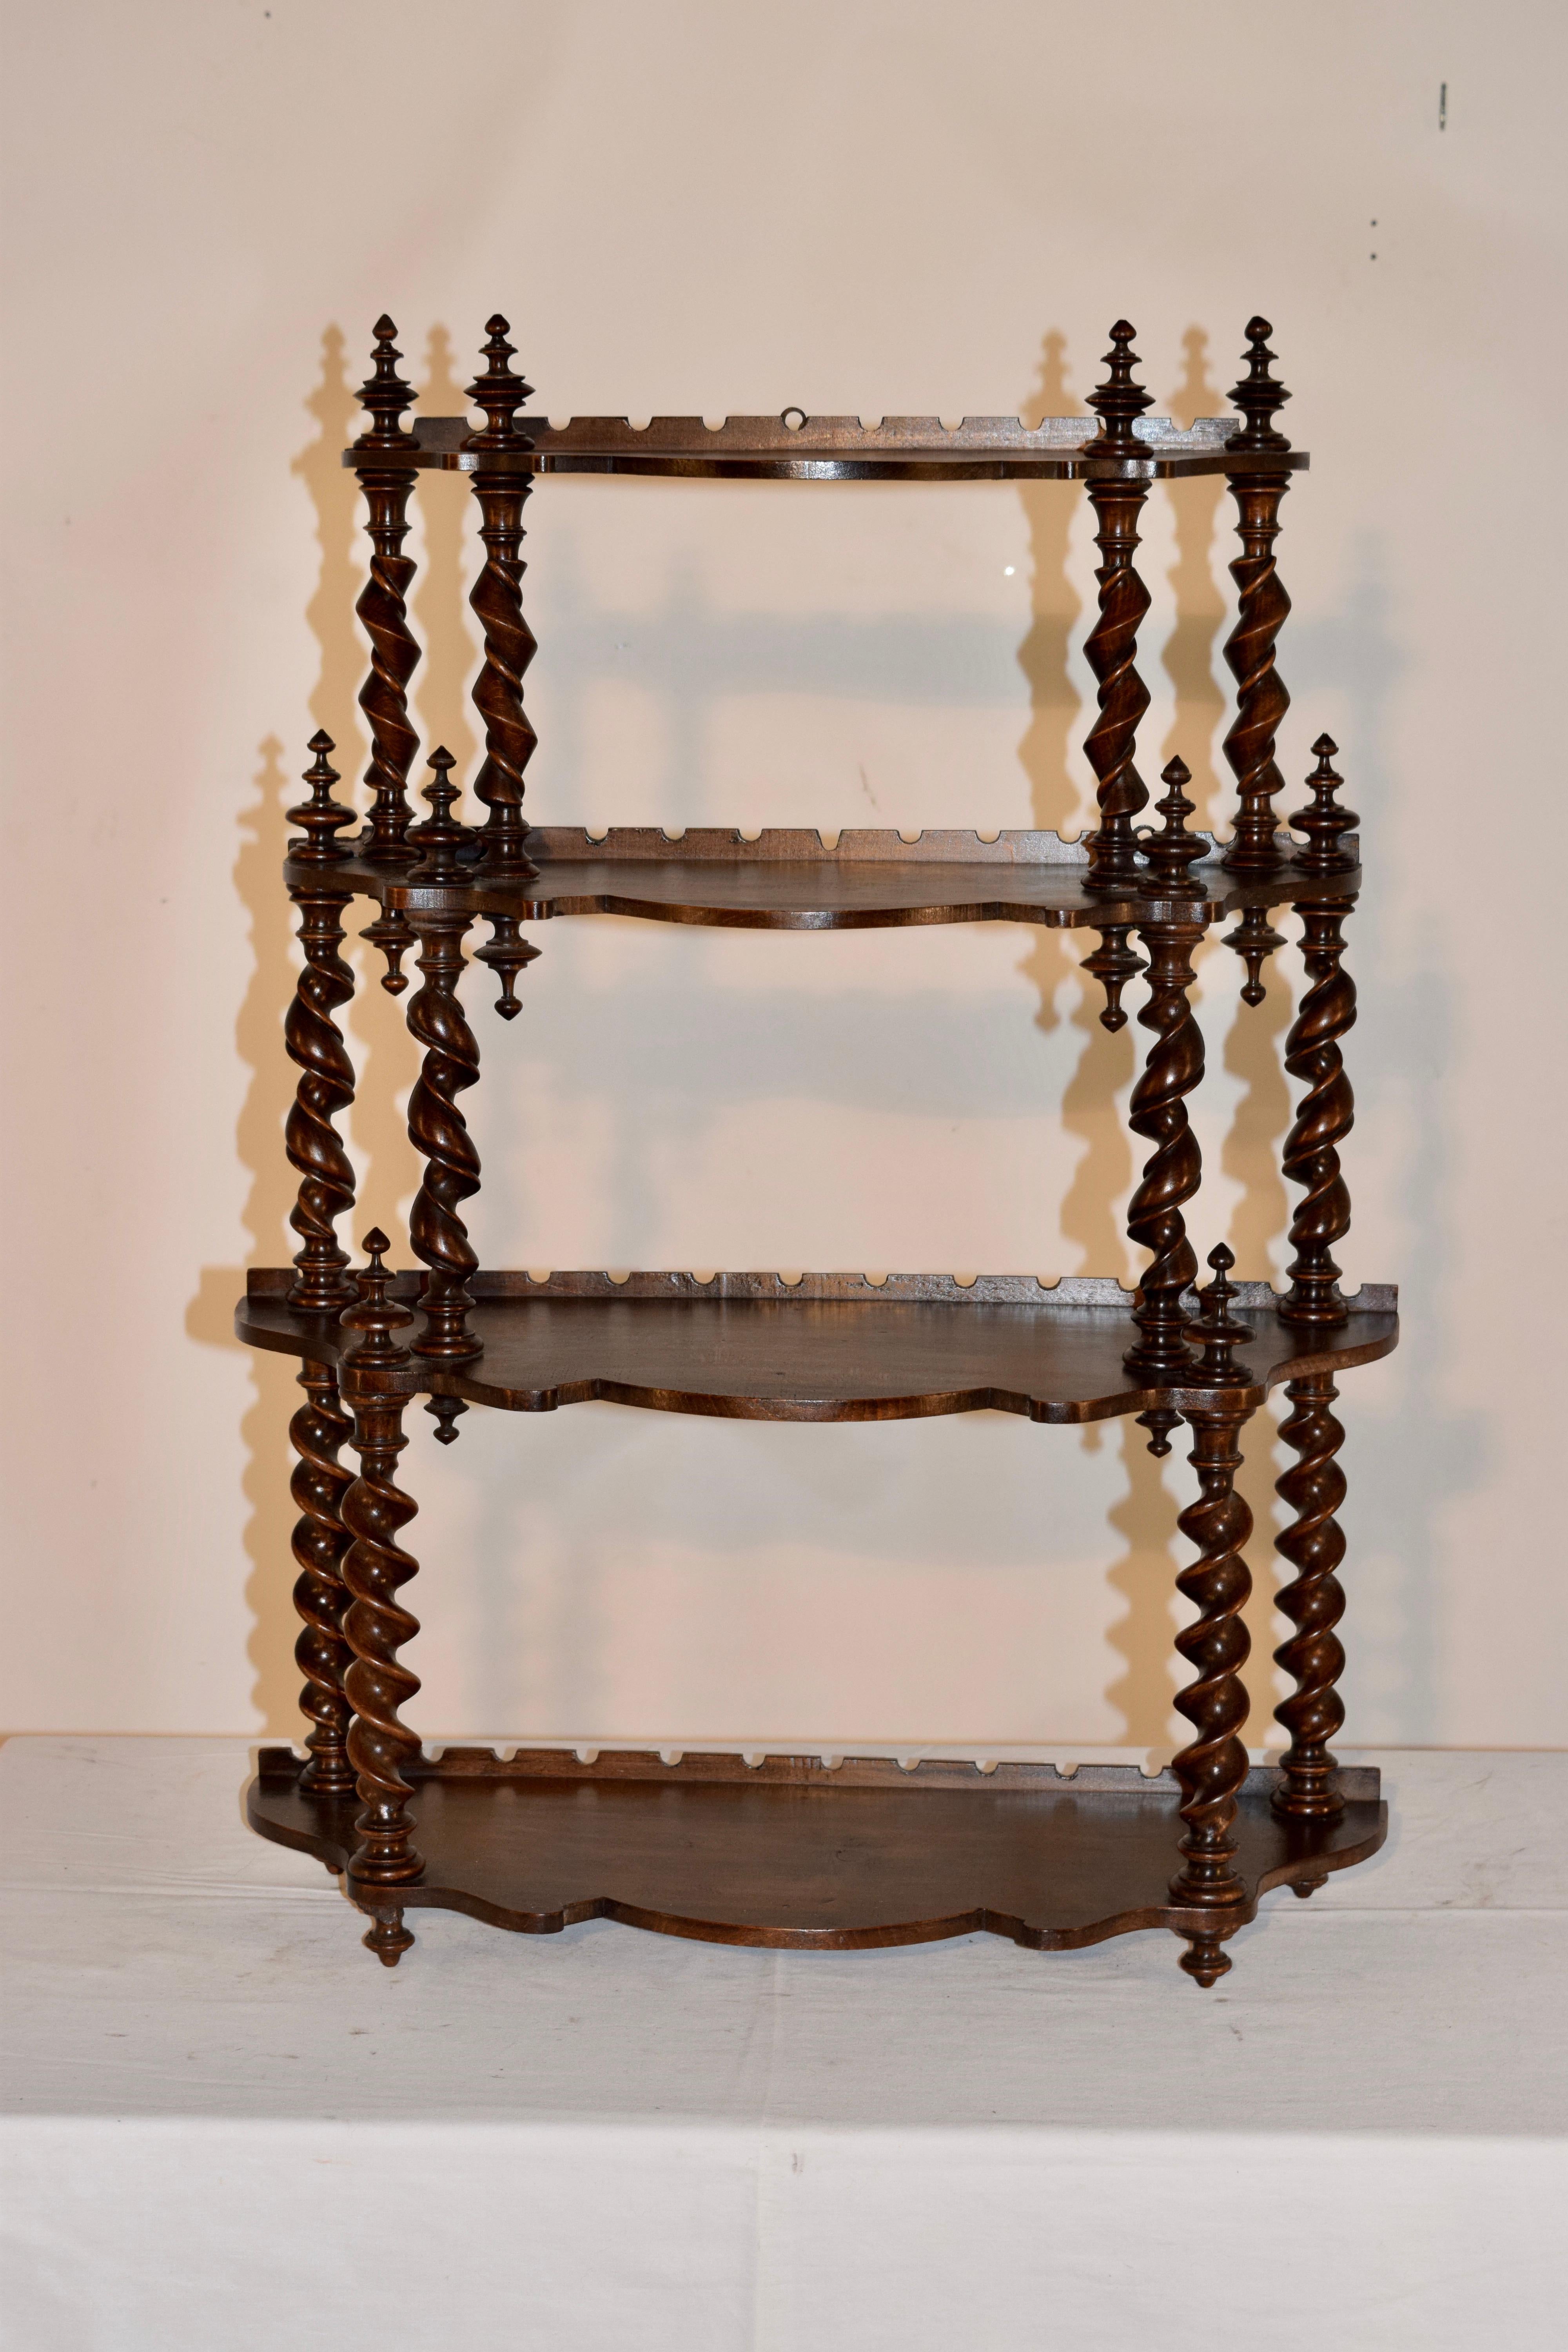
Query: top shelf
point(839, 449)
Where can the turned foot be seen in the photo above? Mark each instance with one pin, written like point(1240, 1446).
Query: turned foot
point(1302, 1887)
point(1205, 1959)
point(389, 1939)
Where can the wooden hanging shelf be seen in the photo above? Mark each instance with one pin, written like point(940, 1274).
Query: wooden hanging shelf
point(831, 1347)
point(842, 449)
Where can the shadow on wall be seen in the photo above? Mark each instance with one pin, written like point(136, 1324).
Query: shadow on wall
point(691, 655)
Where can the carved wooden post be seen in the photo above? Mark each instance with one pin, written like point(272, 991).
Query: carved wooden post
point(1313, 1487)
point(1211, 1769)
point(321, 1653)
point(497, 599)
point(1112, 646)
point(1159, 1113)
point(439, 1132)
point(1323, 1121)
point(375, 1567)
point(383, 607)
point(1262, 609)
point(322, 1283)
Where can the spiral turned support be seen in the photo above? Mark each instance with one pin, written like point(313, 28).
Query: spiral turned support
point(1323, 1119)
point(1312, 1488)
point(375, 1569)
point(382, 609)
point(321, 1283)
point(319, 1541)
point(1111, 650)
point(440, 1133)
point(1211, 1769)
point(1171, 1175)
point(1261, 701)
point(510, 647)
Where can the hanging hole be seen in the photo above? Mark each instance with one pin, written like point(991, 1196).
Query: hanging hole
point(798, 414)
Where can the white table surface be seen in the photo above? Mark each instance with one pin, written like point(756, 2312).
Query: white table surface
point(226, 2126)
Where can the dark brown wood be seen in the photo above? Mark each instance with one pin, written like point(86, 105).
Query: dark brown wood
point(831, 1347)
point(788, 880)
point(1112, 652)
point(314, 1043)
point(1313, 1489)
point(1323, 1119)
point(316, 1433)
point(1172, 1173)
point(843, 449)
point(1114, 964)
point(440, 1133)
point(1263, 608)
point(1216, 1331)
point(1172, 852)
point(1212, 1769)
point(1326, 824)
point(795, 1854)
point(1254, 939)
point(507, 953)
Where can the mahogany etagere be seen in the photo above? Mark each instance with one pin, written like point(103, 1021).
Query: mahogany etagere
point(788, 1850)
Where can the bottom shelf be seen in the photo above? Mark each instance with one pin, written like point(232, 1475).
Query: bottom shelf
point(793, 1853)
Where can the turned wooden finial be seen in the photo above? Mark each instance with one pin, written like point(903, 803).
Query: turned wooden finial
point(1257, 395)
point(1325, 824)
point(499, 393)
point(319, 816)
point(507, 953)
point(394, 934)
point(1171, 852)
point(374, 1314)
point(1118, 402)
point(440, 836)
point(1254, 939)
point(385, 395)
point(1217, 1330)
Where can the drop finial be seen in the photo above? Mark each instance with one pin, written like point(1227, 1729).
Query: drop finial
point(1217, 1330)
point(507, 952)
point(1325, 824)
point(1173, 851)
point(1257, 395)
point(374, 1315)
point(1118, 402)
point(394, 934)
point(1254, 939)
point(320, 816)
point(384, 393)
point(499, 393)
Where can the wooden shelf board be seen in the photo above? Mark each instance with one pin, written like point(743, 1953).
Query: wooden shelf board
point(828, 1347)
point(837, 448)
point(805, 1857)
point(786, 879)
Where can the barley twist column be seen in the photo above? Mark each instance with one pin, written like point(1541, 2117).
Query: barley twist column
point(321, 1653)
point(439, 1132)
point(380, 460)
point(322, 1283)
point(497, 600)
point(1211, 1769)
point(1262, 609)
point(1314, 1488)
point(1112, 651)
point(1171, 1175)
point(1323, 1119)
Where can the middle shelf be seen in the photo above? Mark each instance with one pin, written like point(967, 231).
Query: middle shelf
point(828, 1347)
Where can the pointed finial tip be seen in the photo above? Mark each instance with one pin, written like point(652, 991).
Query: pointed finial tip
point(496, 325)
point(441, 758)
point(1176, 771)
point(1221, 1258)
point(375, 1243)
point(320, 743)
point(384, 328)
point(1258, 331)
point(1325, 748)
point(1122, 332)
